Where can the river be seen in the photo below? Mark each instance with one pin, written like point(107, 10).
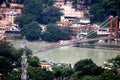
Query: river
point(69, 54)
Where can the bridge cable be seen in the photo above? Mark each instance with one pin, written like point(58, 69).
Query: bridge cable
point(101, 27)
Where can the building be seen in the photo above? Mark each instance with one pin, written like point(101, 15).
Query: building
point(50, 66)
point(10, 14)
point(46, 65)
point(13, 5)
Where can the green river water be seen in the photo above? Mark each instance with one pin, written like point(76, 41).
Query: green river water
point(69, 54)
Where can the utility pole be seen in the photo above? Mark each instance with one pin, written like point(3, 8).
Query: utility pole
point(24, 63)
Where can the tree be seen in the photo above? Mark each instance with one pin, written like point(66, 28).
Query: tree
point(50, 15)
point(5, 65)
point(47, 3)
point(34, 61)
point(55, 33)
point(18, 53)
point(87, 67)
point(24, 19)
point(95, 1)
point(109, 75)
point(32, 31)
point(113, 64)
point(74, 4)
point(36, 73)
point(6, 50)
point(62, 72)
point(112, 7)
point(102, 10)
point(91, 78)
point(32, 7)
point(97, 13)
point(20, 1)
point(13, 75)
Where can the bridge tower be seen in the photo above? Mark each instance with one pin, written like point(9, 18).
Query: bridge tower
point(111, 23)
point(117, 29)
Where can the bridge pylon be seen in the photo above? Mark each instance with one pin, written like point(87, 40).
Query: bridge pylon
point(111, 23)
point(117, 29)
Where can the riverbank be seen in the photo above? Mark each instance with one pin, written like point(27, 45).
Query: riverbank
point(112, 46)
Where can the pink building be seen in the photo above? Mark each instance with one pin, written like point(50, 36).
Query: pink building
point(10, 14)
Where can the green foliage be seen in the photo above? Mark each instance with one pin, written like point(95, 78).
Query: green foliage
point(87, 67)
point(4, 65)
point(97, 12)
point(18, 53)
point(104, 9)
point(50, 15)
point(14, 75)
point(109, 75)
point(55, 33)
point(32, 7)
point(74, 4)
point(32, 31)
point(34, 61)
point(20, 1)
point(6, 50)
point(95, 1)
point(35, 10)
point(47, 3)
point(24, 19)
point(91, 78)
point(36, 73)
point(62, 72)
point(113, 64)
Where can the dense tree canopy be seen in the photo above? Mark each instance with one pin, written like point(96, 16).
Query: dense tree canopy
point(5, 66)
point(55, 33)
point(62, 72)
point(102, 10)
point(39, 11)
point(36, 73)
point(6, 50)
point(47, 3)
point(31, 31)
point(32, 7)
point(34, 61)
point(50, 15)
point(97, 13)
point(24, 19)
point(87, 67)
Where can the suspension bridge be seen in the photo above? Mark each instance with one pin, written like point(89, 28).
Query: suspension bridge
point(78, 40)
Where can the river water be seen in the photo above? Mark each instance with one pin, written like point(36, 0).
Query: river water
point(69, 54)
